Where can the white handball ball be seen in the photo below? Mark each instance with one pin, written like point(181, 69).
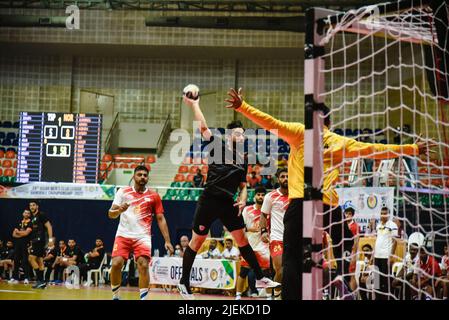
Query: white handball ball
point(191, 91)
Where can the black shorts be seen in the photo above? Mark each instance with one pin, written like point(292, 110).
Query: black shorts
point(210, 208)
point(37, 248)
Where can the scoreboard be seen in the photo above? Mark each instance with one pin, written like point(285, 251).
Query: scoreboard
point(59, 147)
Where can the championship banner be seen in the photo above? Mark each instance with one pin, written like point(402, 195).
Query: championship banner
point(367, 202)
point(206, 273)
point(56, 190)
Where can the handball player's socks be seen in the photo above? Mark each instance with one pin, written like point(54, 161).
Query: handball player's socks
point(267, 283)
point(185, 292)
point(143, 294)
point(115, 292)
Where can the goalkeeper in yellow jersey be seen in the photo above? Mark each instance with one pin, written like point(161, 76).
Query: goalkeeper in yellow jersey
point(336, 148)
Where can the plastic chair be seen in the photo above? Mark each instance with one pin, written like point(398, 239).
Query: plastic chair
point(97, 272)
point(151, 159)
point(183, 169)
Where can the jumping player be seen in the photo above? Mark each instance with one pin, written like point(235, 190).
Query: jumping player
point(225, 176)
point(136, 206)
point(273, 209)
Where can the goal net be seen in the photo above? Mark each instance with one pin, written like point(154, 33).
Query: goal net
point(377, 77)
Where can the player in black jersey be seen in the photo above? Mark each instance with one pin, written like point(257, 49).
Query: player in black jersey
point(41, 226)
point(227, 174)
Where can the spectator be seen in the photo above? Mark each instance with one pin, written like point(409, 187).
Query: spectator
point(385, 247)
point(49, 260)
point(74, 256)
point(366, 278)
point(74, 253)
point(371, 228)
point(198, 179)
point(425, 276)
point(230, 252)
point(178, 250)
point(253, 180)
point(61, 258)
point(443, 282)
point(349, 212)
point(266, 182)
point(184, 241)
point(93, 260)
point(21, 234)
point(400, 228)
point(405, 275)
point(213, 252)
point(7, 259)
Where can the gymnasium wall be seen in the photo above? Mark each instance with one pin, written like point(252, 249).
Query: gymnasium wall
point(114, 53)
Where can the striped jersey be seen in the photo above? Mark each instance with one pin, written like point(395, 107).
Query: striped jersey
point(274, 206)
point(136, 221)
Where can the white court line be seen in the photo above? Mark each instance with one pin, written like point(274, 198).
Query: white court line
point(16, 291)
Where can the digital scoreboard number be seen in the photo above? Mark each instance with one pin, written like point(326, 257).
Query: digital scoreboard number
point(59, 147)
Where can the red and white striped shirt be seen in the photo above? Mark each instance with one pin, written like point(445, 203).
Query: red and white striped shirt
point(135, 222)
point(274, 205)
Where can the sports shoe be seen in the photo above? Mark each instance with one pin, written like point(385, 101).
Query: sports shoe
point(263, 293)
point(13, 281)
point(238, 297)
point(267, 283)
point(40, 285)
point(185, 292)
point(26, 281)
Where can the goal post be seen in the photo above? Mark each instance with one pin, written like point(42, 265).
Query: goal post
point(380, 75)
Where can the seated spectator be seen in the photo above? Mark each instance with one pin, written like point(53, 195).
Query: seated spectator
point(93, 260)
point(230, 252)
point(72, 257)
point(425, 277)
point(49, 259)
point(178, 250)
point(60, 261)
point(409, 267)
point(213, 252)
point(266, 182)
point(198, 179)
point(366, 278)
point(253, 180)
point(7, 259)
point(184, 241)
point(443, 283)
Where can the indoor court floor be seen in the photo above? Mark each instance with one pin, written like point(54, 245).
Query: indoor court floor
point(61, 292)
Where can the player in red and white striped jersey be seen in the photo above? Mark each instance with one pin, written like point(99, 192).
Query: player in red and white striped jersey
point(136, 207)
point(251, 217)
point(272, 222)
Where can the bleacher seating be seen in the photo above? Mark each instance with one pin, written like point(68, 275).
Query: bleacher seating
point(123, 161)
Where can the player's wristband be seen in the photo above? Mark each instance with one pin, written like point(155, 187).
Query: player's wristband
point(263, 230)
